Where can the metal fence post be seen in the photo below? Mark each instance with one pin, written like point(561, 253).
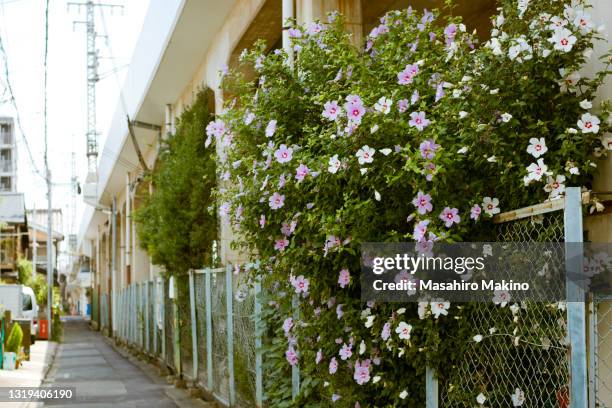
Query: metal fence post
point(431, 388)
point(133, 313)
point(154, 302)
point(258, 344)
point(229, 303)
point(295, 370)
point(127, 314)
point(592, 353)
point(146, 317)
point(141, 319)
point(124, 315)
point(162, 307)
point(194, 327)
point(576, 313)
point(119, 314)
point(209, 361)
point(176, 331)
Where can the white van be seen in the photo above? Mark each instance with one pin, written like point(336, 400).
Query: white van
point(21, 301)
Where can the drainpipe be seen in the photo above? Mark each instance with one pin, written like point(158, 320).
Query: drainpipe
point(113, 244)
point(288, 14)
point(128, 225)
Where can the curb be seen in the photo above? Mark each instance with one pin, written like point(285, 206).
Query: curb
point(49, 363)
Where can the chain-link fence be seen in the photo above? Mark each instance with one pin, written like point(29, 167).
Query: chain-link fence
point(168, 326)
point(218, 352)
point(244, 345)
point(201, 330)
point(600, 362)
point(183, 303)
point(523, 354)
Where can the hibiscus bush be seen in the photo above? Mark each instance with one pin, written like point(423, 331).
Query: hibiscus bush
point(422, 134)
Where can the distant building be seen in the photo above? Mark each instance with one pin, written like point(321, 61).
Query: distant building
point(37, 228)
point(13, 234)
point(8, 156)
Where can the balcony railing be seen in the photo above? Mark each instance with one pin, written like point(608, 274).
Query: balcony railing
point(6, 166)
point(6, 138)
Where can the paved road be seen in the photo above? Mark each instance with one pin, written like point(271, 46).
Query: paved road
point(102, 376)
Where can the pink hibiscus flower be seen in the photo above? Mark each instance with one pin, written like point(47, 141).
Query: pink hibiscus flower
point(344, 278)
point(276, 201)
point(283, 154)
point(362, 372)
point(450, 216)
point(406, 76)
point(418, 120)
point(423, 203)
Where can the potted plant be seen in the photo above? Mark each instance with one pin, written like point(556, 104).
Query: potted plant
point(13, 344)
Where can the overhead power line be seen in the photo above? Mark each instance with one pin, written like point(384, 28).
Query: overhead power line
point(13, 101)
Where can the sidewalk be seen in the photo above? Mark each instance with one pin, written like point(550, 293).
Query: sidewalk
point(103, 377)
point(30, 373)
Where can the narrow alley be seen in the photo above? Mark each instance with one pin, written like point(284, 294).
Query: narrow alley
point(101, 375)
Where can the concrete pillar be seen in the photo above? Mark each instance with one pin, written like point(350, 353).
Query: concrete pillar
point(311, 10)
point(602, 14)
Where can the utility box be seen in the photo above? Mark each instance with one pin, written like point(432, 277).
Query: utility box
point(43, 329)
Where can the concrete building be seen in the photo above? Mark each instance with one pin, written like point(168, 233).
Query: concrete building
point(8, 156)
point(13, 234)
point(37, 228)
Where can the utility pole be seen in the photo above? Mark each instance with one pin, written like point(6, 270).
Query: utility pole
point(92, 78)
point(72, 240)
point(49, 247)
point(34, 242)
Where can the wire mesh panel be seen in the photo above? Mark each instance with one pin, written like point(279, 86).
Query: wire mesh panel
point(244, 344)
point(184, 315)
point(602, 361)
point(523, 353)
point(200, 297)
point(219, 336)
point(150, 317)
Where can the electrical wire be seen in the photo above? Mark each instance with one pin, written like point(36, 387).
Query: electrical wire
point(13, 101)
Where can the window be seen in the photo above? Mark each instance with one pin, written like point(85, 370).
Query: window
point(5, 184)
point(27, 302)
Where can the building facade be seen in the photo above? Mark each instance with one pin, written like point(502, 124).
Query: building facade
point(8, 156)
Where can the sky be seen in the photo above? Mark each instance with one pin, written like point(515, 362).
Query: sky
point(22, 27)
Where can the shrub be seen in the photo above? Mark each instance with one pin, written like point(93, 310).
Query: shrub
point(382, 144)
point(177, 223)
point(57, 329)
point(13, 342)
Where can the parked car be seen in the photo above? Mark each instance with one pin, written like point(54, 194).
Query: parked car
point(21, 301)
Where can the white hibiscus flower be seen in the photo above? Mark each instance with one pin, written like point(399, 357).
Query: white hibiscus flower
point(365, 155)
point(537, 147)
point(588, 123)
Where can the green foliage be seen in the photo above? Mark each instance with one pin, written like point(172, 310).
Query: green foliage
point(38, 283)
point(57, 328)
point(484, 105)
point(13, 342)
point(177, 223)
